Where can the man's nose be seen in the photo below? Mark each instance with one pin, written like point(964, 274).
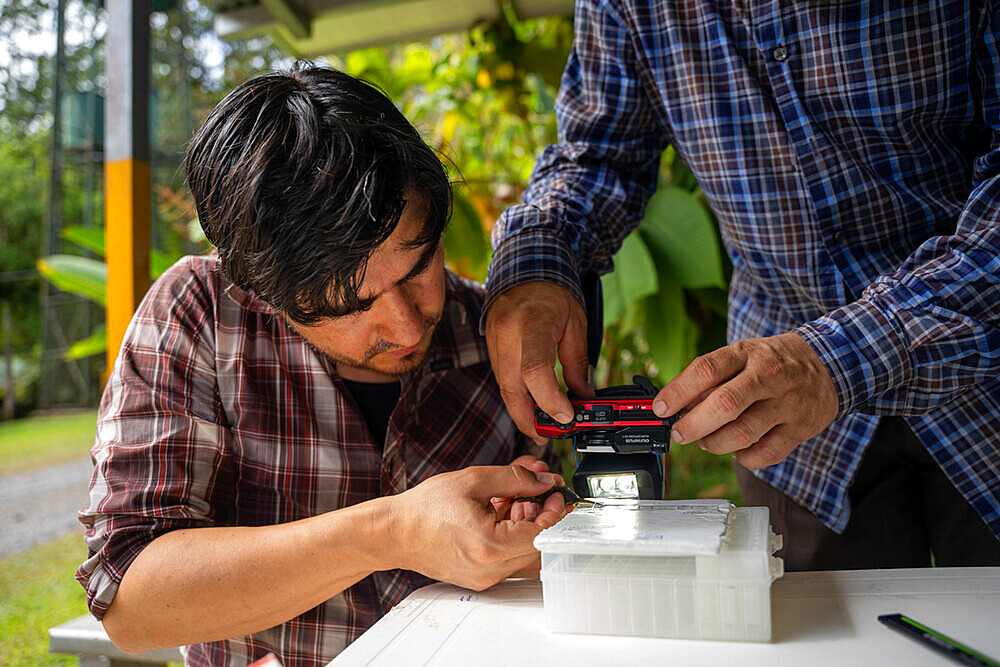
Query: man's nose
point(402, 323)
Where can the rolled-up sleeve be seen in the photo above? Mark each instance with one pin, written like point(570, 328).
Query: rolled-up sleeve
point(161, 453)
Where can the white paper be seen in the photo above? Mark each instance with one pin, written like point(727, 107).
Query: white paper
point(648, 527)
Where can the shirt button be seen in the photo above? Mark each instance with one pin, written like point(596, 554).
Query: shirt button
point(838, 236)
point(780, 54)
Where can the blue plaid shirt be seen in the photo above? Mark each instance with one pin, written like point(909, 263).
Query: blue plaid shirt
point(851, 153)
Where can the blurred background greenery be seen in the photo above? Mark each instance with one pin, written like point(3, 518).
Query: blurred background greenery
point(483, 97)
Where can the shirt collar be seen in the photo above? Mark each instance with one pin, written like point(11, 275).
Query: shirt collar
point(249, 301)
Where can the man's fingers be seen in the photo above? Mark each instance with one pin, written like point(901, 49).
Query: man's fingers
point(538, 371)
point(745, 430)
point(723, 405)
point(554, 503)
point(550, 516)
point(511, 481)
point(705, 372)
point(777, 444)
point(530, 462)
point(573, 353)
point(522, 409)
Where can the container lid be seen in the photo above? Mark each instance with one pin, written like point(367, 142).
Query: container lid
point(647, 527)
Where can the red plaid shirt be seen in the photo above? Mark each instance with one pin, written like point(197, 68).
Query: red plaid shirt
point(219, 414)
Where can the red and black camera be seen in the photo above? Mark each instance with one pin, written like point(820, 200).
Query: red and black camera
point(616, 420)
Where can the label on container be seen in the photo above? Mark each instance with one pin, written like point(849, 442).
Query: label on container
point(649, 527)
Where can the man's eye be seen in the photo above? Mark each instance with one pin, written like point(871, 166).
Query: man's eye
point(363, 308)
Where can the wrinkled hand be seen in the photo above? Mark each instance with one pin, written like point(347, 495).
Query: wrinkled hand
point(451, 531)
point(758, 399)
point(526, 328)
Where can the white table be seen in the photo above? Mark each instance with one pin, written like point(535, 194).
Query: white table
point(818, 618)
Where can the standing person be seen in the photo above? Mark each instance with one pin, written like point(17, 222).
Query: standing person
point(302, 428)
point(851, 153)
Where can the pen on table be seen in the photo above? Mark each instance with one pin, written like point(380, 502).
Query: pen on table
point(935, 640)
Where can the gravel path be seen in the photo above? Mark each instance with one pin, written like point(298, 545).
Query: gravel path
point(41, 505)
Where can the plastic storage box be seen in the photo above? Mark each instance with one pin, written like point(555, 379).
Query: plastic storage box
point(625, 579)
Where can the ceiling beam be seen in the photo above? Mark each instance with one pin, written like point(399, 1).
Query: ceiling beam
point(338, 26)
point(291, 15)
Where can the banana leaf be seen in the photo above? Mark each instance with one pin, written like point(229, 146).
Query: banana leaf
point(634, 278)
point(77, 275)
point(92, 239)
point(682, 239)
point(95, 343)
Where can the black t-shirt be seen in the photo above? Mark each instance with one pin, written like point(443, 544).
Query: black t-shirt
point(376, 400)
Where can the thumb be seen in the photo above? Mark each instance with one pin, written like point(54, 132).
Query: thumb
point(512, 481)
point(573, 352)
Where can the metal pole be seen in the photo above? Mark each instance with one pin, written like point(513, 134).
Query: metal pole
point(127, 180)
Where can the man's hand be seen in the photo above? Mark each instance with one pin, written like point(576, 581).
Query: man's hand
point(758, 398)
point(506, 508)
point(449, 529)
point(525, 327)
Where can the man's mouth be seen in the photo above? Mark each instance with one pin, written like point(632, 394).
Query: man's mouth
point(402, 351)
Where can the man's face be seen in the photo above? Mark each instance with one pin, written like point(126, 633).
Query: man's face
point(407, 289)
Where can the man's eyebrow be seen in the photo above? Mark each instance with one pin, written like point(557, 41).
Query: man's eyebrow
point(425, 260)
point(426, 257)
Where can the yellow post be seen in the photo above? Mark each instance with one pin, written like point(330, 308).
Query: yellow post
point(127, 230)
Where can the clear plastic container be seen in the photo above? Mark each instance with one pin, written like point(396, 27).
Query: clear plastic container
point(723, 596)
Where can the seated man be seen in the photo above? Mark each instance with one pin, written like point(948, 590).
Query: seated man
point(284, 446)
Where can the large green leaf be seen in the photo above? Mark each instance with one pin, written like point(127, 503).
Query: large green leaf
point(670, 333)
point(95, 343)
point(86, 237)
point(682, 239)
point(465, 244)
point(634, 278)
point(78, 275)
point(92, 239)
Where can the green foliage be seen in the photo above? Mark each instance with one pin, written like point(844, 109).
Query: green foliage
point(683, 239)
point(634, 278)
point(92, 239)
point(95, 343)
point(465, 242)
point(88, 278)
point(78, 275)
point(24, 173)
point(657, 333)
point(485, 100)
point(184, 90)
point(37, 591)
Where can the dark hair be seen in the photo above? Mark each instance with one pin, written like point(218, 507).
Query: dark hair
point(298, 176)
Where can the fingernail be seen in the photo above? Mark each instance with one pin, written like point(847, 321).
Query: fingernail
point(676, 437)
point(701, 446)
point(544, 477)
point(563, 418)
point(660, 408)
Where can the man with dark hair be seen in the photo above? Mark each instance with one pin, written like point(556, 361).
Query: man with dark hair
point(284, 446)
